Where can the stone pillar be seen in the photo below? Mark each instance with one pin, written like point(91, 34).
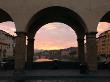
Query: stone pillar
point(81, 53)
point(20, 52)
point(91, 48)
point(30, 50)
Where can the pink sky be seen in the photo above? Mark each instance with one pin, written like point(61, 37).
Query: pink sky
point(53, 35)
point(8, 27)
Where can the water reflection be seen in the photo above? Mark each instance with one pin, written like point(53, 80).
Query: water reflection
point(43, 60)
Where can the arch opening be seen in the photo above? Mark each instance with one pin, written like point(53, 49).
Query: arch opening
point(7, 39)
point(56, 14)
point(55, 41)
point(103, 41)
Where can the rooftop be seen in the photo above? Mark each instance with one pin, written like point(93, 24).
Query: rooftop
point(6, 33)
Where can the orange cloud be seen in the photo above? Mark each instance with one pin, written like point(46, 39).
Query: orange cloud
point(49, 26)
point(60, 36)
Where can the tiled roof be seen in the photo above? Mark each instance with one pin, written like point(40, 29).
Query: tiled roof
point(6, 33)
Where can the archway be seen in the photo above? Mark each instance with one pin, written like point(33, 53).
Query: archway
point(56, 14)
point(55, 42)
point(103, 41)
point(48, 15)
point(7, 38)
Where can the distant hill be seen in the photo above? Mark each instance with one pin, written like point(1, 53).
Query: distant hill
point(37, 51)
point(73, 49)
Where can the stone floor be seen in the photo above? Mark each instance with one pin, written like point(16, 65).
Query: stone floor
point(55, 74)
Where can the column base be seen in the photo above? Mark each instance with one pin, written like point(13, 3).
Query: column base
point(83, 69)
point(19, 76)
point(92, 68)
point(19, 73)
point(29, 66)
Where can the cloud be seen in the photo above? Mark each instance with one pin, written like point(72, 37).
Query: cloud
point(61, 36)
point(54, 25)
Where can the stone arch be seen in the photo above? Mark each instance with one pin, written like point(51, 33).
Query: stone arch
point(105, 17)
point(56, 14)
point(4, 16)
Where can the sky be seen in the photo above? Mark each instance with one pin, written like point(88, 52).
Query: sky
point(53, 35)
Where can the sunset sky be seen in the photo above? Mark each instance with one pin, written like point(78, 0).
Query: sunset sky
point(53, 35)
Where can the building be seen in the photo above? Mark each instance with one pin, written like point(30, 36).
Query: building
point(103, 44)
point(6, 45)
point(61, 54)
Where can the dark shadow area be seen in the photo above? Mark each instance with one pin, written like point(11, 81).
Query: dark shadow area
point(9, 65)
point(55, 65)
point(4, 16)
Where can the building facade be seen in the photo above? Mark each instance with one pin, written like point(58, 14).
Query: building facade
point(6, 45)
point(103, 44)
point(62, 54)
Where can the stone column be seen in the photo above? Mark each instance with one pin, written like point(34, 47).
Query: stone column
point(30, 50)
point(91, 48)
point(20, 52)
point(81, 53)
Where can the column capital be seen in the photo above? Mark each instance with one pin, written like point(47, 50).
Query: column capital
point(21, 33)
point(91, 34)
point(30, 39)
point(30, 36)
point(80, 39)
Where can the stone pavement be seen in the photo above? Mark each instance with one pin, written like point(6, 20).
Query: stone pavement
point(55, 74)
